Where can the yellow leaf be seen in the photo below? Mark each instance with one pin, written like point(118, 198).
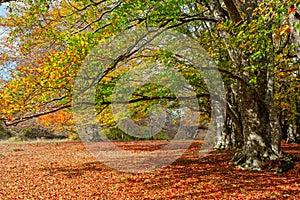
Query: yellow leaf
point(285, 29)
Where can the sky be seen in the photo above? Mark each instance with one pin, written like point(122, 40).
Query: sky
point(2, 14)
point(2, 11)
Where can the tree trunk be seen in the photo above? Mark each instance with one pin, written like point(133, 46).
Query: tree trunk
point(236, 129)
point(231, 136)
point(258, 121)
point(224, 137)
point(260, 139)
point(294, 33)
point(292, 135)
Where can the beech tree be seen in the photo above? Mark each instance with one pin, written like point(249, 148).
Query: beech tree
point(250, 41)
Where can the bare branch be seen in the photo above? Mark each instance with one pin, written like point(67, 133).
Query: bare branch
point(233, 11)
point(19, 120)
point(147, 98)
point(97, 20)
point(6, 1)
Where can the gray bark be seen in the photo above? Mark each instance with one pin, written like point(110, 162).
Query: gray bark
point(295, 33)
point(292, 135)
point(260, 139)
point(258, 123)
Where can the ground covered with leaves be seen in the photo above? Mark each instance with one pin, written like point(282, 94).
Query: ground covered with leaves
point(66, 170)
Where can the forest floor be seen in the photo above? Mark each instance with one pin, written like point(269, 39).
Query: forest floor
point(66, 170)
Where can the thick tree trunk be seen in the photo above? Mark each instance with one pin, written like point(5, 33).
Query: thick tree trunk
point(236, 133)
point(294, 33)
point(231, 136)
point(292, 135)
point(235, 125)
point(260, 139)
point(258, 121)
point(224, 137)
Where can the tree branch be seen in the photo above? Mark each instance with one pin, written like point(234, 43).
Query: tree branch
point(233, 11)
point(6, 1)
point(97, 20)
point(19, 120)
point(232, 114)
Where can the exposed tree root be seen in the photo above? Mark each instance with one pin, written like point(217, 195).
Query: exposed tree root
point(271, 162)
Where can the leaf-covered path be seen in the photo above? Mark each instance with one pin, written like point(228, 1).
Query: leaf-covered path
point(66, 170)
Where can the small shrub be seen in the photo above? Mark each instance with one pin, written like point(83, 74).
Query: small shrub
point(73, 137)
point(163, 135)
point(30, 134)
point(113, 133)
point(4, 133)
point(117, 134)
point(15, 139)
point(35, 133)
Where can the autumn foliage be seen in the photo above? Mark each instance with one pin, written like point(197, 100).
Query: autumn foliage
point(68, 171)
point(61, 121)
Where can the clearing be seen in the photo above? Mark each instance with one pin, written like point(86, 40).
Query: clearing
point(66, 170)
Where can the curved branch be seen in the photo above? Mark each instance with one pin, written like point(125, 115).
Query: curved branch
point(19, 120)
point(233, 11)
point(232, 114)
point(147, 98)
point(97, 20)
point(6, 1)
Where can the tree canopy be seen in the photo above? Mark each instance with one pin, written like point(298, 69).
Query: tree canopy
point(253, 43)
